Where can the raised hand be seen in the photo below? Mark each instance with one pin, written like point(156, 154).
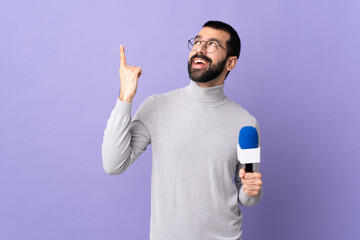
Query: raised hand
point(129, 76)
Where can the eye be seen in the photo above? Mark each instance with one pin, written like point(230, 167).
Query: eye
point(197, 42)
point(212, 44)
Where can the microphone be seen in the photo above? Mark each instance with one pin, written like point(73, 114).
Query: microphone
point(248, 149)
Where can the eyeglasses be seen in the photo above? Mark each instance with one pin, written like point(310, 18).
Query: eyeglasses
point(211, 46)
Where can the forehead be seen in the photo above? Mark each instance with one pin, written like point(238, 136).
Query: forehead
point(207, 33)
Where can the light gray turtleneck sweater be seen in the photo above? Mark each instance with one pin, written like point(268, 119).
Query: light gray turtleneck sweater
point(195, 184)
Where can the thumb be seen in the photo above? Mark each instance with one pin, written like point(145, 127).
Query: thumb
point(242, 172)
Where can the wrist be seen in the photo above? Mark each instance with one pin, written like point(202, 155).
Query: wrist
point(125, 98)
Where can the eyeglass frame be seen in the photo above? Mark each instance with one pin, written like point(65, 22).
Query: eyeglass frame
point(212, 40)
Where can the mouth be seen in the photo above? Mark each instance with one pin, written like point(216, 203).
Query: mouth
point(199, 63)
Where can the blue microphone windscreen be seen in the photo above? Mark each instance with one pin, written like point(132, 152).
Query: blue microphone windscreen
point(248, 137)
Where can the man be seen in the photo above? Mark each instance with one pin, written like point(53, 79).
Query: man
point(193, 132)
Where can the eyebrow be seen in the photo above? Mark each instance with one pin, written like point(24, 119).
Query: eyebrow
point(210, 39)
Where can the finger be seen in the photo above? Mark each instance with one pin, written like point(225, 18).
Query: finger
point(252, 193)
point(122, 56)
point(140, 71)
point(253, 175)
point(242, 172)
point(135, 70)
point(251, 186)
point(256, 181)
point(249, 176)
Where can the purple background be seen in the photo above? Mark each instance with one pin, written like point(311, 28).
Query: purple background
point(298, 74)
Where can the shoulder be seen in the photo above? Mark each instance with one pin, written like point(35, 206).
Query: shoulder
point(156, 103)
point(161, 97)
point(167, 95)
point(238, 112)
point(167, 98)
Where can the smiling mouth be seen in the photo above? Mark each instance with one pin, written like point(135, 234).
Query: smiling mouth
point(199, 63)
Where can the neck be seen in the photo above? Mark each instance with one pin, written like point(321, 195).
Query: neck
point(211, 83)
point(205, 94)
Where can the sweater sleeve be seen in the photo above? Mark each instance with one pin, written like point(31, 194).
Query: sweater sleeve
point(243, 198)
point(125, 138)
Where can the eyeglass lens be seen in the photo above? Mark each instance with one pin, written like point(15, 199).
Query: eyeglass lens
point(194, 44)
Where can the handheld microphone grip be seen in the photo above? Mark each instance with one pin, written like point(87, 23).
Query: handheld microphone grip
point(249, 167)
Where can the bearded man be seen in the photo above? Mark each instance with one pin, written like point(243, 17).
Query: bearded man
point(197, 181)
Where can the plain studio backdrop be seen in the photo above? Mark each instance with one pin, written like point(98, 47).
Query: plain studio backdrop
point(298, 74)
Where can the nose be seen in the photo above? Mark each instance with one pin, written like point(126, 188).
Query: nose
point(201, 49)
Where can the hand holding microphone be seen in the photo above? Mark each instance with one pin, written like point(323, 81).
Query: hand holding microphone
point(251, 182)
point(128, 77)
point(248, 153)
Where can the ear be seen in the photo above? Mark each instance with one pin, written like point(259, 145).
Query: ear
point(231, 62)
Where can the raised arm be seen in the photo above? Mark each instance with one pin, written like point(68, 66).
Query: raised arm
point(126, 138)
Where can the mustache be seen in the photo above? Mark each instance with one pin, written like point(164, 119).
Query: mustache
point(200, 56)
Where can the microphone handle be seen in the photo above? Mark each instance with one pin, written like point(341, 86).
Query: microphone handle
point(249, 167)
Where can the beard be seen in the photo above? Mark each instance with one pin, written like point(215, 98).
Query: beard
point(205, 75)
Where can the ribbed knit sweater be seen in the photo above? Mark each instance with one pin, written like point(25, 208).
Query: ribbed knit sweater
point(195, 184)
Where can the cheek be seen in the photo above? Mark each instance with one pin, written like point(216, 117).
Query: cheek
point(190, 55)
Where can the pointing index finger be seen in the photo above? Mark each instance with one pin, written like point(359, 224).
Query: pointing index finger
point(122, 56)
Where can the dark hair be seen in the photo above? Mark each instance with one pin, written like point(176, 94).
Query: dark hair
point(234, 44)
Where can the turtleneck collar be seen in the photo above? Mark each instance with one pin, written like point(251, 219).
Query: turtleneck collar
point(203, 94)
